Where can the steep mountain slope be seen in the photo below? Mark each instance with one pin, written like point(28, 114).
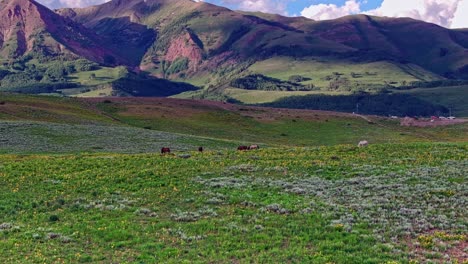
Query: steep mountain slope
point(41, 50)
point(213, 47)
point(406, 40)
point(207, 35)
point(210, 36)
point(28, 28)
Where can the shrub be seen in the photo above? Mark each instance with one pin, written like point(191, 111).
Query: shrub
point(380, 104)
point(261, 82)
point(54, 218)
point(85, 65)
point(3, 73)
point(180, 64)
point(298, 78)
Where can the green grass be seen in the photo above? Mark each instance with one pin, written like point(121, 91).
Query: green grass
point(71, 193)
point(102, 76)
point(48, 109)
point(259, 97)
point(100, 92)
point(280, 132)
point(283, 205)
point(25, 137)
point(274, 126)
point(319, 68)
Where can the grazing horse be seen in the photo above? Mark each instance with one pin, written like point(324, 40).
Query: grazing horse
point(165, 150)
point(251, 147)
point(363, 143)
point(242, 148)
point(200, 149)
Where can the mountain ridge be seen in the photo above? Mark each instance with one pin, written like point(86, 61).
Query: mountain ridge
point(208, 46)
point(351, 34)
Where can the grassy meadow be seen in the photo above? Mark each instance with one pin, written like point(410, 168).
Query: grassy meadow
point(319, 69)
point(337, 77)
point(82, 182)
point(259, 96)
point(390, 203)
point(35, 124)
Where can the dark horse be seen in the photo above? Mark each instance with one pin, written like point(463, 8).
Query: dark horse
point(242, 148)
point(165, 150)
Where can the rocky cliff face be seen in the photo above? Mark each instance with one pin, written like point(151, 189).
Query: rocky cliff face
point(20, 21)
point(185, 47)
point(28, 28)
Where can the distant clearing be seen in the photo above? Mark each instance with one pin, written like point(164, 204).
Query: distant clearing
point(321, 70)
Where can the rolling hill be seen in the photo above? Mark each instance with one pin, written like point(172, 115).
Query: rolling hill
point(215, 123)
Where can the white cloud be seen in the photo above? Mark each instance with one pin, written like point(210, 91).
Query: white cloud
point(267, 6)
point(323, 11)
point(460, 19)
point(447, 13)
point(70, 3)
point(439, 12)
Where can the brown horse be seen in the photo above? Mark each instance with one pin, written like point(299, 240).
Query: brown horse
point(165, 150)
point(242, 148)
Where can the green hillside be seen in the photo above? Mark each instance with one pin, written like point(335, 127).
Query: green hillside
point(56, 124)
point(323, 72)
point(218, 45)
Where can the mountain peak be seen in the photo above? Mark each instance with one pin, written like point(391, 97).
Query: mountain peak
point(185, 38)
point(19, 21)
point(27, 27)
point(21, 8)
point(17, 2)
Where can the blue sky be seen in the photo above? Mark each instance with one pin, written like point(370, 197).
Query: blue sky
point(446, 13)
point(295, 7)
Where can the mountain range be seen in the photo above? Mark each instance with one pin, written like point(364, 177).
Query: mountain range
point(210, 46)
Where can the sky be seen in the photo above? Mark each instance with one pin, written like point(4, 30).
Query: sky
point(447, 13)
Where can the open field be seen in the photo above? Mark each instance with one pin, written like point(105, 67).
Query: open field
point(48, 109)
point(81, 182)
point(217, 122)
point(268, 125)
point(318, 70)
point(44, 137)
point(259, 97)
point(97, 92)
point(92, 78)
point(391, 203)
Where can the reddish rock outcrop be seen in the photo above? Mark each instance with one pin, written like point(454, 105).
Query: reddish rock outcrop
point(185, 46)
point(26, 26)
